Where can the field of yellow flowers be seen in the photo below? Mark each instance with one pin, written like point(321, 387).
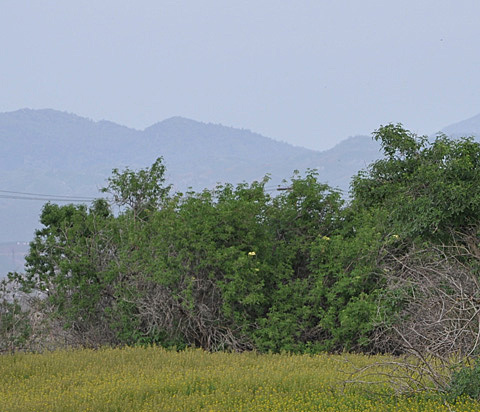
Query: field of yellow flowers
point(153, 379)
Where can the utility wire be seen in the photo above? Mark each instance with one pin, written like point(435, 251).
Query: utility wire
point(53, 199)
point(45, 195)
point(14, 195)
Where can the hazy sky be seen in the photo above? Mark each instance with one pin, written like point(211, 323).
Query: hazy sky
point(308, 72)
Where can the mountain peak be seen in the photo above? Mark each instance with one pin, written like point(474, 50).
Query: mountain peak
point(49, 151)
point(45, 114)
point(179, 119)
point(466, 127)
point(174, 122)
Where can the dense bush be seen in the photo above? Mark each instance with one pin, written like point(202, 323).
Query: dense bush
point(237, 268)
point(15, 328)
point(465, 382)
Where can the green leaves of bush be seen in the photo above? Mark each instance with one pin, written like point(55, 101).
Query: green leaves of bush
point(238, 268)
point(465, 382)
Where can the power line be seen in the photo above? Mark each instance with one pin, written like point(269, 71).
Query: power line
point(52, 199)
point(45, 195)
point(15, 195)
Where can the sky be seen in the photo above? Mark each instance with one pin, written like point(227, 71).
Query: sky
point(310, 73)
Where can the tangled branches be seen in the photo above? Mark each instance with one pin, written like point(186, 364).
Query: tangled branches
point(437, 290)
point(194, 317)
point(429, 314)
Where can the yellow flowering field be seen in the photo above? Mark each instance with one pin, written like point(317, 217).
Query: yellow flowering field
point(153, 379)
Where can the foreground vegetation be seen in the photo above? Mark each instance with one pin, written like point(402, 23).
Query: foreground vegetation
point(393, 270)
point(153, 379)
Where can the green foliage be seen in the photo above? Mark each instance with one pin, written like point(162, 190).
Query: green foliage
point(240, 269)
point(141, 191)
point(465, 382)
point(398, 143)
point(428, 189)
point(15, 329)
point(347, 279)
point(222, 268)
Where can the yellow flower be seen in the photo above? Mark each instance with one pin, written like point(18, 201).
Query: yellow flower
point(325, 238)
point(251, 253)
point(396, 236)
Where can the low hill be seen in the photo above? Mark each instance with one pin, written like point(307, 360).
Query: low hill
point(52, 152)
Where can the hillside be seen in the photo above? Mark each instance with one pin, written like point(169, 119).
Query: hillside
point(73, 155)
point(53, 152)
point(468, 127)
point(47, 151)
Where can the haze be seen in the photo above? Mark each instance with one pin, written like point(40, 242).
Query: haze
point(310, 73)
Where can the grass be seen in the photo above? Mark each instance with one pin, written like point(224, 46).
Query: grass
point(153, 379)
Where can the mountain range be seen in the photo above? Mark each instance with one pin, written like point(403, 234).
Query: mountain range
point(62, 154)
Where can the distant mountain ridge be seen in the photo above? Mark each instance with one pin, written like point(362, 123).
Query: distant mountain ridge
point(464, 128)
point(196, 154)
point(53, 152)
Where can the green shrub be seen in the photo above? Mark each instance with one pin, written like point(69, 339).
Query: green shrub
point(465, 382)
